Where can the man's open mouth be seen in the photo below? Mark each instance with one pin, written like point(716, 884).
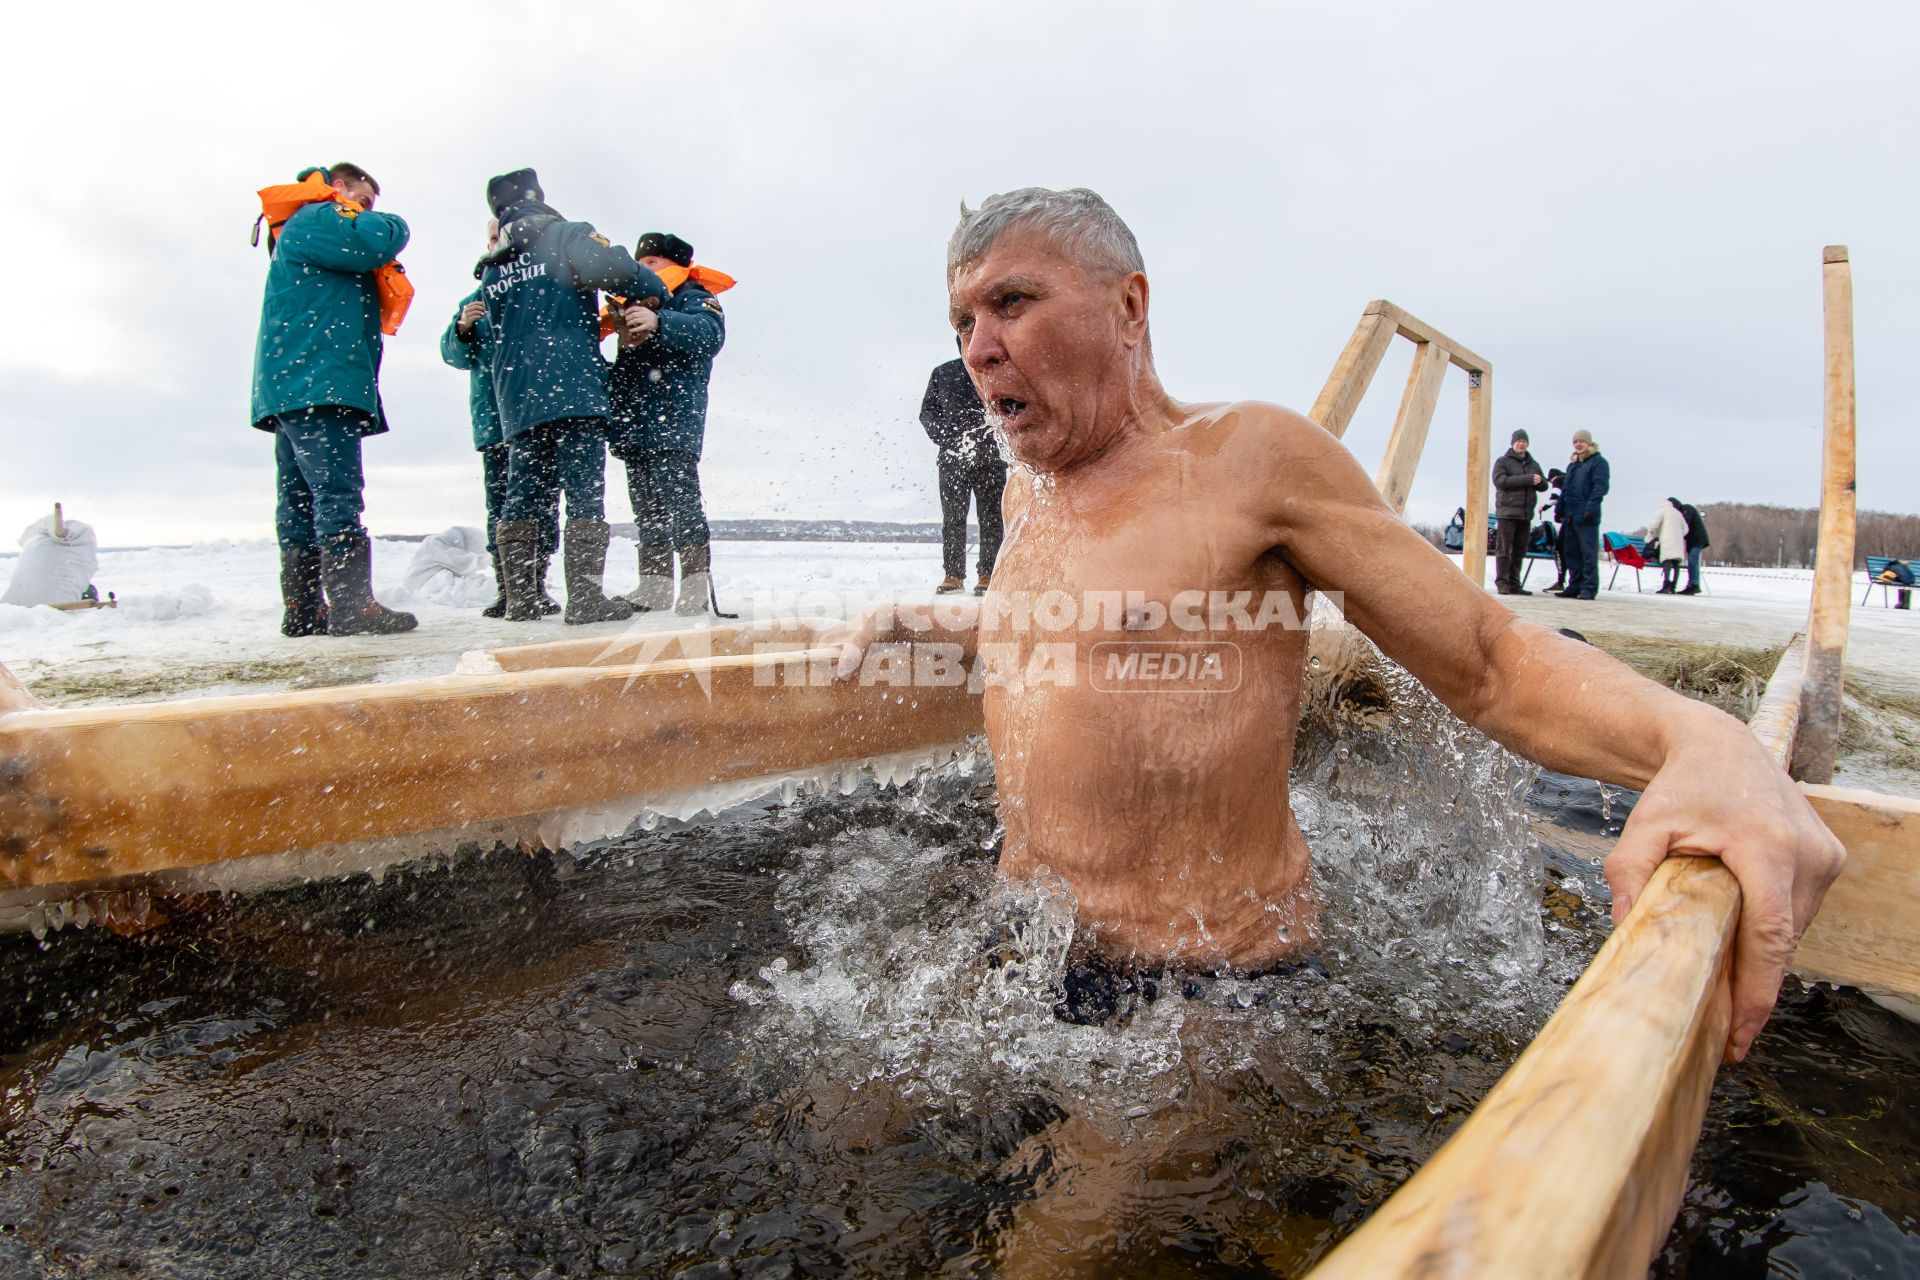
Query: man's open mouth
point(1008, 408)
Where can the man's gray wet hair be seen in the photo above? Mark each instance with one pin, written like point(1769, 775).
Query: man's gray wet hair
point(1077, 222)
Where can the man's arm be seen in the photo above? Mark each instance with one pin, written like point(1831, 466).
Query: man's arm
point(1708, 787)
point(336, 238)
point(599, 264)
point(933, 410)
point(945, 621)
point(696, 331)
point(462, 351)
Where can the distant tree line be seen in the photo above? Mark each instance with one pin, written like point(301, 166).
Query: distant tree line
point(1751, 534)
point(1746, 533)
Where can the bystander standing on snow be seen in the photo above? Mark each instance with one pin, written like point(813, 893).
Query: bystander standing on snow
point(316, 372)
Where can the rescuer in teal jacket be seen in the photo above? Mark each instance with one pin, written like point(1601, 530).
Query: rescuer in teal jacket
point(468, 344)
point(541, 289)
point(316, 387)
point(659, 389)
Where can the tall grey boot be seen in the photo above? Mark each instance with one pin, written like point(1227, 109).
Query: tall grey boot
point(656, 580)
point(696, 582)
point(542, 600)
point(498, 609)
point(519, 543)
point(300, 592)
point(346, 567)
point(584, 550)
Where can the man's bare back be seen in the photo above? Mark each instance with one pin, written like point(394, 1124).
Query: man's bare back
point(1156, 791)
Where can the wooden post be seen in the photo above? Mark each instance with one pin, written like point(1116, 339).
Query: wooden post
point(1833, 569)
point(59, 522)
point(1353, 371)
point(1473, 550)
point(1409, 438)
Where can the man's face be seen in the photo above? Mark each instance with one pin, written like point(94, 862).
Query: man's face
point(656, 264)
point(358, 190)
point(1520, 448)
point(1580, 448)
point(1049, 347)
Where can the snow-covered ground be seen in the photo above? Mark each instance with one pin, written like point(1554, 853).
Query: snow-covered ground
point(205, 618)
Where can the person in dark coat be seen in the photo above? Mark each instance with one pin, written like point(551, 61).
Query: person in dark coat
point(1587, 480)
point(1552, 529)
point(541, 287)
point(659, 422)
point(316, 372)
point(971, 470)
point(1899, 575)
point(467, 344)
point(1697, 542)
point(1517, 480)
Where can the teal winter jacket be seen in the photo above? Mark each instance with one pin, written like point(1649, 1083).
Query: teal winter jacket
point(474, 353)
point(319, 337)
point(542, 294)
point(659, 387)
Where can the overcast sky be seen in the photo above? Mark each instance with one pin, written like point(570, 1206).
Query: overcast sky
point(1622, 206)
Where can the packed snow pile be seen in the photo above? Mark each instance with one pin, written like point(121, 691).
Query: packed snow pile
point(452, 567)
point(190, 601)
point(53, 568)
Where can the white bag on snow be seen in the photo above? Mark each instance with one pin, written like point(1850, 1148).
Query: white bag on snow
point(452, 568)
point(53, 570)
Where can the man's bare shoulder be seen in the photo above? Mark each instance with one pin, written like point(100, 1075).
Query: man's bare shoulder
point(1257, 430)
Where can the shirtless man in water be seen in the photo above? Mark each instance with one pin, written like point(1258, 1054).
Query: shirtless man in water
point(1164, 806)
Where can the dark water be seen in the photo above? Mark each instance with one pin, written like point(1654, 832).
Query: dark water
point(773, 1046)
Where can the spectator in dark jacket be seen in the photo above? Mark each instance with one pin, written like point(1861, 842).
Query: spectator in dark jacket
point(1517, 480)
point(1697, 541)
point(971, 469)
point(1588, 478)
point(541, 287)
point(1899, 574)
point(467, 343)
point(659, 425)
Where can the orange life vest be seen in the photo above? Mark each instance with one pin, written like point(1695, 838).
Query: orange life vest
point(279, 203)
point(673, 277)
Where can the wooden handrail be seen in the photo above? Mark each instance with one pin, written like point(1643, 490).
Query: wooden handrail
point(1575, 1162)
point(91, 794)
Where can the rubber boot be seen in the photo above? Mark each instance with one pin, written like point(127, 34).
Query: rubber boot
point(545, 603)
point(498, 609)
point(520, 559)
point(656, 580)
point(584, 549)
point(301, 592)
point(696, 582)
point(346, 567)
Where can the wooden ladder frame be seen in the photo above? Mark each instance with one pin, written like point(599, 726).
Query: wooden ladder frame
point(1379, 324)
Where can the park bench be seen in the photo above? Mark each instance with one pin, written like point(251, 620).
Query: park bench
point(1629, 551)
point(1625, 551)
point(1877, 565)
point(1452, 537)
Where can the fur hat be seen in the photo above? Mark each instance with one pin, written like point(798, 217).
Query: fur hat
point(510, 189)
point(664, 244)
